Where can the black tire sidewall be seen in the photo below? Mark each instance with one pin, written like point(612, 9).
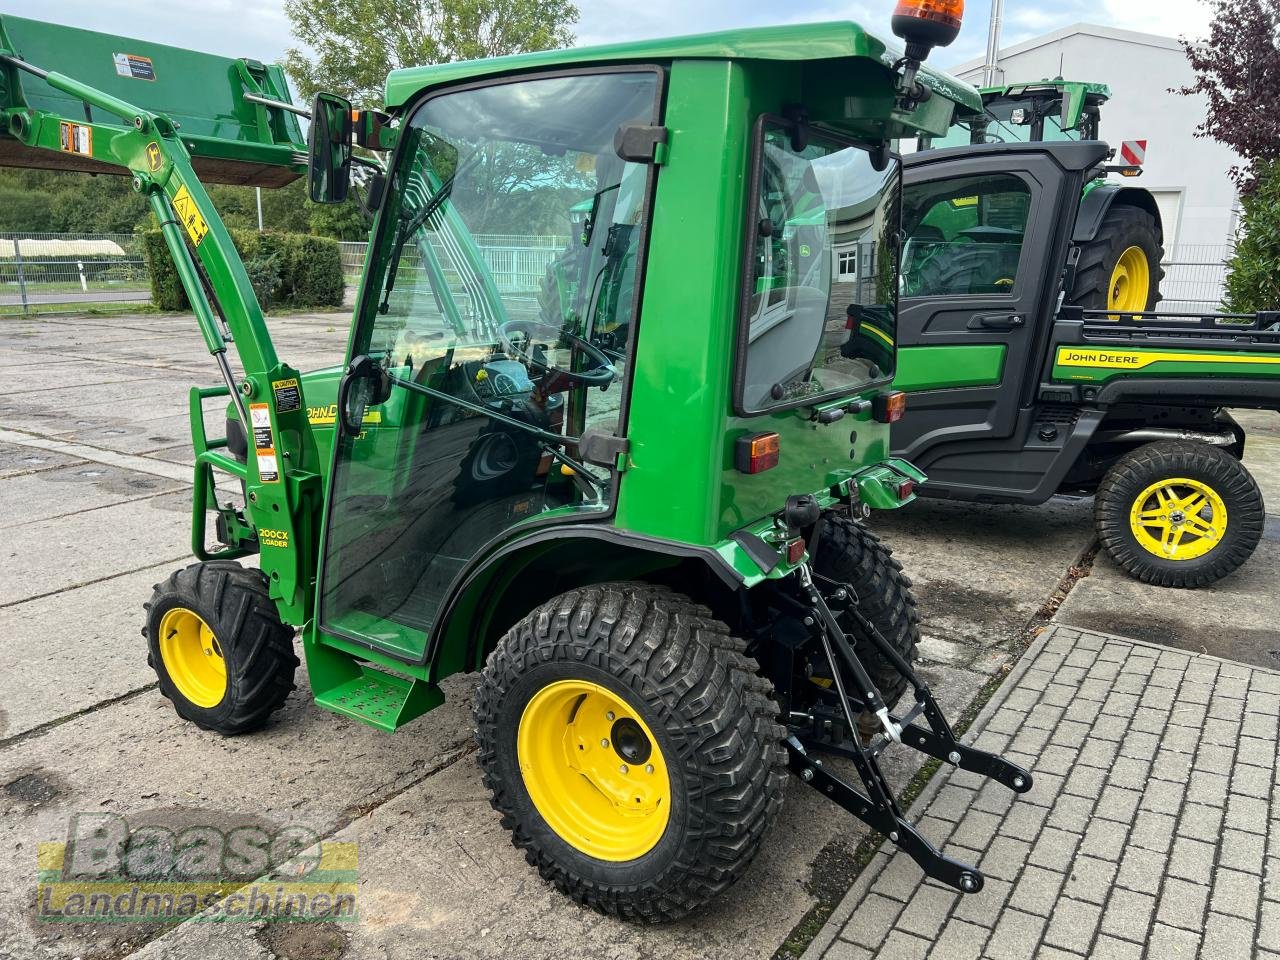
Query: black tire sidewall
point(220, 712)
point(1220, 472)
point(649, 867)
point(1123, 227)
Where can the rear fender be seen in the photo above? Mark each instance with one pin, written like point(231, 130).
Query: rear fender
point(1098, 200)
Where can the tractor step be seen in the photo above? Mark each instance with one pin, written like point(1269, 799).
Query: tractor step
point(380, 699)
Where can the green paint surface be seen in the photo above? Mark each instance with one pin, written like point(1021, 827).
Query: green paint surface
point(960, 365)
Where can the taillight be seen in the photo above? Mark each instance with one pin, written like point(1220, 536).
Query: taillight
point(906, 487)
point(756, 453)
point(889, 407)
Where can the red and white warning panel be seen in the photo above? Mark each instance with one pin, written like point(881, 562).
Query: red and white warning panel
point(1133, 152)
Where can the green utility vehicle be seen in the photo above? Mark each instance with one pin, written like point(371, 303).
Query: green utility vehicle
point(636, 508)
point(1018, 395)
point(1119, 232)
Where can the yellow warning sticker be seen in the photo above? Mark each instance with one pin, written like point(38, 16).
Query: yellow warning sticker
point(185, 206)
point(75, 138)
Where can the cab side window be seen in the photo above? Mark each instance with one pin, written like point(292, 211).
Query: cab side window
point(964, 236)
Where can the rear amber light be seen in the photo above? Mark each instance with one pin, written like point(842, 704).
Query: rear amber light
point(889, 407)
point(947, 12)
point(906, 488)
point(795, 551)
point(756, 453)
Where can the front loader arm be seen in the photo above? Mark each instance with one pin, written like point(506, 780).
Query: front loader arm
point(282, 472)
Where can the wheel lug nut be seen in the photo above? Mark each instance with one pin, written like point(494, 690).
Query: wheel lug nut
point(648, 768)
point(605, 744)
point(609, 716)
point(623, 769)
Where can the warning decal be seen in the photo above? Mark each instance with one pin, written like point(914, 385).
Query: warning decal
point(139, 68)
point(185, 206)
point(76, 138)
point(264, 443)
point(288, 396)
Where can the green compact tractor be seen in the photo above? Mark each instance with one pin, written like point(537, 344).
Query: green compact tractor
point(636, 506)
point(1119, 234)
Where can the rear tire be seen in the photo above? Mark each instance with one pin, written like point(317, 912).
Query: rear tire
point(673, 673)
point(850, 553)
point(218, 647)
point(1098, 285)
point(1178, 513)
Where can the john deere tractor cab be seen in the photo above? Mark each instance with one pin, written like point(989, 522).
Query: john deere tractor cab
point(1119, 232)
point(637, 506)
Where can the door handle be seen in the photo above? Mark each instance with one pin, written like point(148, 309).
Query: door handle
point(997, 321)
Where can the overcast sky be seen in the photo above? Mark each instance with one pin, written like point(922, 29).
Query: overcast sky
point(259, 28)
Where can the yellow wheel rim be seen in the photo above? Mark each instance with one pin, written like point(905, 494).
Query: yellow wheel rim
point(1130, 281)
point(1178, 519)
point(594, 770)
point(192, 657)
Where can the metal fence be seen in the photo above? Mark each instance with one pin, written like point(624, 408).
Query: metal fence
point(1195, 276)
point(517, 264)
point(49, 271)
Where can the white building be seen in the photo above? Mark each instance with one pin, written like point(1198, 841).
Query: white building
point(1188, 175)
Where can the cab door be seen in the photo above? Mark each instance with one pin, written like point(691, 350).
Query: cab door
point(985, 235)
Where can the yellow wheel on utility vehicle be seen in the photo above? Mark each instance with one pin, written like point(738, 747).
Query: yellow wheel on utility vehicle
point(1130, 286)
point(192, 656)
point(1178, 518)
point(594, 770)
point(1178, 513)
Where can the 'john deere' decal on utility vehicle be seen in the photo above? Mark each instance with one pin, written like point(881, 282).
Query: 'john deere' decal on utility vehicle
point(1094, 363)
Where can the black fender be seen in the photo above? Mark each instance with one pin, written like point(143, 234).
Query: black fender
point(509, 579)
point(1095, 204)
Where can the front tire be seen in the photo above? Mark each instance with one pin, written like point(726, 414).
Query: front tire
point(1179, 514)
point(632, 748)
point(218, 647)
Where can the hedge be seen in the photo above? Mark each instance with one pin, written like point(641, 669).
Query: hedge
point(287, 270)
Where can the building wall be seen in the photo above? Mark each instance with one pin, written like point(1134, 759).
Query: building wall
point(1188, 175)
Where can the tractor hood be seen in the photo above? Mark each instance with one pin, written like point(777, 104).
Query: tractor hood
point(838, 58)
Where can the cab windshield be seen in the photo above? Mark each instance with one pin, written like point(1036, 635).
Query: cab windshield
point(500, 301)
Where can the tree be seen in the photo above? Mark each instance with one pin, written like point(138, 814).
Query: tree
point(1253, 282)
point(349, 46)
point(1238, 73)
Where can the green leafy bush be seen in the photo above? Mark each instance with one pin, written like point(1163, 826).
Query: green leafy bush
point(1253, 278)
point(292, 270)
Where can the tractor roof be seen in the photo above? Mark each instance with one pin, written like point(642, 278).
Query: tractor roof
point(797, 42)
point(1057, 84)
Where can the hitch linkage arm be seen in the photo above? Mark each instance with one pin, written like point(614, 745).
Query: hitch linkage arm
point(877, 807)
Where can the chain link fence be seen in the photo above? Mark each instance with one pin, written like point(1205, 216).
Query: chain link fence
point(52, 272)
point(1195, 276)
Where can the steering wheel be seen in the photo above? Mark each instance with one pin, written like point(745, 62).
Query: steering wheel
point(600, 374)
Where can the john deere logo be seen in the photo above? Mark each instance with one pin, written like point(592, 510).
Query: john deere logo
point(154, 157)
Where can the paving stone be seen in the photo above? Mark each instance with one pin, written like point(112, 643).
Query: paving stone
point(1255, 751)
point(1128, 915)
point(1182, 904)
point(1084, 782)
point(1016, 936)
point(1163, 796)
point(1191, 859)
point(952, 802)
point(1005, 857)
point(984, 907)
point(961, 941)
point(1090, 879)
point(1153, 831)
point(899, 880)
point(1171, 765)
point(872, 921)
point(903, 946)
point(1235, 892)
point(1141, 869)
point(1110, 948)
point(844, 950)
point(1208, 788)
point(927, 911)
point(1099, 753)
point(1072, 923)
point(1200, 821)
point(1171, 943)
point(1057, 759)
point(1246, 813)
point(1036, 890)
point(1242, 851)
point(1119, 804)
point(975, 829)
point(1055, 849)
point(1140, 745)
point(1227, 938)
point(1105, 839)
point(1214, 759)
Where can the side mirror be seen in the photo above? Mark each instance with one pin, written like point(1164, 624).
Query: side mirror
point(365, 384)
point(330, 149)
